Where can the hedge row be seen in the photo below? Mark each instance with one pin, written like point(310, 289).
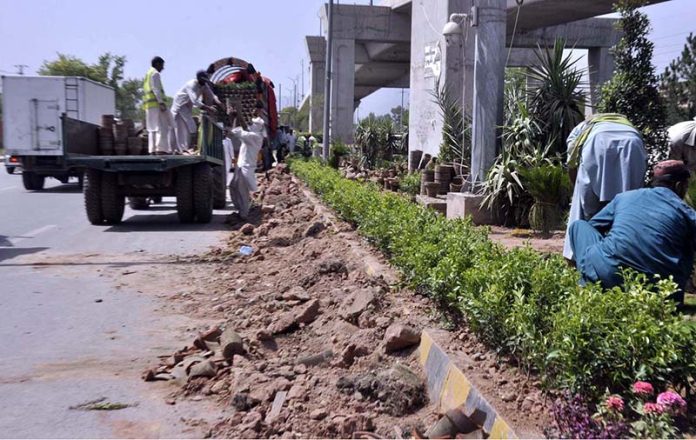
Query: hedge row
point(526, 305)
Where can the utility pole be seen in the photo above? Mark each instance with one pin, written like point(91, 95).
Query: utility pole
point(401, 117)
point(327, 85)
point(302, 64)
point(280, 100)
point(20, 68)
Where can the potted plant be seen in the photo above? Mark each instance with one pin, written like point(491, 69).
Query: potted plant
point(548, 185)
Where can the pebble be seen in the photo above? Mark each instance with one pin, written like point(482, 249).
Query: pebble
point(318, 414)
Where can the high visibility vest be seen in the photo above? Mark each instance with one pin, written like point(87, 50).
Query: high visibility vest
point(149, 98)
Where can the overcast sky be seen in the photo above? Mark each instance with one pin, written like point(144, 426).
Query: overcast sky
point(190, 35)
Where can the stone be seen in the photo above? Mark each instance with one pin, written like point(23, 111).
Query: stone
point(296, 392)
point(508, 397)
point(219, 387)
point(316, 359)
point(297, 293)
point(463, 423)
point(247, 229)
point(244, 401)
point(398, 336)
point(356, 303)
point(300, 369)
point(476, 434)
point(205, 368)
point(264, 335)
point(276, 406)
point(268, 209)
point(352, 351)
point(252, 421)
point(308, 313)
point(443, 428)
point(313, 229)
point(231, 343)
point(318, 414)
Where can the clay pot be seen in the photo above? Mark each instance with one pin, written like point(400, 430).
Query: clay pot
point(414, 159)
point(455, 187)
point(428, 176)
point(432, 188)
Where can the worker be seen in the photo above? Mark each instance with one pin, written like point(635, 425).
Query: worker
point(650, 230)
point(682, 143)
point(606, 157)
point(158, 120)
point(244, 179)
point(291, 140)
point(188, 97)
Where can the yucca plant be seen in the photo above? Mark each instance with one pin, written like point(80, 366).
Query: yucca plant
point(548, 185)
point(556, 101)
point(456, 128)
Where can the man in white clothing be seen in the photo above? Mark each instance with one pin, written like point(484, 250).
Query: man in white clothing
point(189, 96)
point(682, 143)
point(158, 120)
point(244, 179)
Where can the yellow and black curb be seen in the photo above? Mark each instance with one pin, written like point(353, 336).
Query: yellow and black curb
point(450, 389)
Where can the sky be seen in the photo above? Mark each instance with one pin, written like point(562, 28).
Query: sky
point(190, 35)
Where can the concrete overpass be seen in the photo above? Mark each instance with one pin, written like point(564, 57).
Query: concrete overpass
point(386, 46)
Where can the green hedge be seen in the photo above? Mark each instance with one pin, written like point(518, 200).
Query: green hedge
point(526, 305)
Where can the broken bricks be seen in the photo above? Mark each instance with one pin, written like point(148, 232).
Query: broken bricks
point(398, 336)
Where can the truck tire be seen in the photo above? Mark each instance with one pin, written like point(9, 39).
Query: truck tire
point(138, 203)
point(184, 194)
point(113, 204)
point(203, 192)
point(92, 192)
point(219, 187)
point(33, 181)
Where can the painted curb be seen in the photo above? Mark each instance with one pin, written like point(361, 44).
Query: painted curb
point(449, 387)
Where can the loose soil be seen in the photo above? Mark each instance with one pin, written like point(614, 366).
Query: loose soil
point(312, 304)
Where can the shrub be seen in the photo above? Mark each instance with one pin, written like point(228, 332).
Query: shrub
point(526, 305)
point(410, 184)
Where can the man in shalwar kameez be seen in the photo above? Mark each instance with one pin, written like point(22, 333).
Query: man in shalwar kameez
point(244, 179)
point(610, 158)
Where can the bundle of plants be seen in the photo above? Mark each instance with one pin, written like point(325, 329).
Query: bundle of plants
point(549, 186)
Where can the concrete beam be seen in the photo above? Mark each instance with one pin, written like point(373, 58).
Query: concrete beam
point(316, 48)
point(363, 91)
point(593, 32)
point(380, 74)
point(389, 51)
point(535, 14)
point(368, 23)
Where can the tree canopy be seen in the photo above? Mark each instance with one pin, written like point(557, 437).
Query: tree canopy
point(107, 70)
point(678, 84)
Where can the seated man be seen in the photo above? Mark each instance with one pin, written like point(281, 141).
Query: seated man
point(650, 230)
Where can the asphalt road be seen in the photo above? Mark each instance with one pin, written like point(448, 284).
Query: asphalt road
point(73, 331)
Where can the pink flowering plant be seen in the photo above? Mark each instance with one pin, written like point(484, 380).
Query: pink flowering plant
point(640, 413)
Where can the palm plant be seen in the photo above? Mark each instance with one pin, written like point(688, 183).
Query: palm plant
point(556, 100)
point(367, 137)
point(548, 185)
point(456, 128)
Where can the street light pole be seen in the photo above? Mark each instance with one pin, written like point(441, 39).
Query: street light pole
point(327, 84)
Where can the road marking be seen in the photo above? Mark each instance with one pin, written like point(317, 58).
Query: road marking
point(7, 187)
point(30, 234)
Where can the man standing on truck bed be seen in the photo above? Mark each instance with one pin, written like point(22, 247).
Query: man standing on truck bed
point(158, 120)
point(189, 96)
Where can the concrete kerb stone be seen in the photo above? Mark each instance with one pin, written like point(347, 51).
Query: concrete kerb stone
point(450, 389)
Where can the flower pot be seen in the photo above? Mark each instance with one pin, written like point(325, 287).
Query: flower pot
point(455, 187)
point(428, 176)
point(432, 188)
point(459, 180)
point(443, 175)
point(544, 217)
point(414, 158)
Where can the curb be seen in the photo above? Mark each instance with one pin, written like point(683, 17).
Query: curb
point(449, 387)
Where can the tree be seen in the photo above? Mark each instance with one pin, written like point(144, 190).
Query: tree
point(678, 84)
point(633, 90)
point(396, 113)
point(108, 70)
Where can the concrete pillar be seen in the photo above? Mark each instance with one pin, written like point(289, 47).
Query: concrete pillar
point(316, 101)
point(343, 89)
point(600, 64)
point(488, 85)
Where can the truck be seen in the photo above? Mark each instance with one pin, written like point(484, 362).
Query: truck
point(198, 181)
point(32, 128)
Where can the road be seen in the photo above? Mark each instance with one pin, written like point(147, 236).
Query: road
point(85, 311)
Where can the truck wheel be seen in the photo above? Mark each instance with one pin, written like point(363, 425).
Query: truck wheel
point(113, 204)
point(219, 187)
point(93, 202)
point(138, 203)
point(203, 192)
point(184, 194)
point(32, 181)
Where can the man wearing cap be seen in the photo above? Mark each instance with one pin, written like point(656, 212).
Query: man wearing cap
point(650, 230)
point(682, 143)
point(606, 157)
point(189, 96)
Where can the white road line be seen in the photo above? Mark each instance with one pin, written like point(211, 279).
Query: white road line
point(30, 234)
